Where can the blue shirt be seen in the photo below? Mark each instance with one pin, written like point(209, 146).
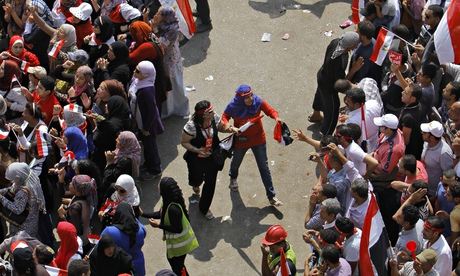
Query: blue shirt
point(340, 181)
point(444, 205)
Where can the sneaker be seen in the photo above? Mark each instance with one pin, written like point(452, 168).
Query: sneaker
point(233, 185)
point(275, 202)
point(201, 28)
point(196, 190)
point(209, 215)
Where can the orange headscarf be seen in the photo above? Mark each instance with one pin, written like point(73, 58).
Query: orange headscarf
point(140, 32)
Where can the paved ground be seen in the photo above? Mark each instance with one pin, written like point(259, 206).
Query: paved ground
point(282, 72)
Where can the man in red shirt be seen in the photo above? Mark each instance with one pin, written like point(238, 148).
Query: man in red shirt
point(246, 107)
point(44, 97)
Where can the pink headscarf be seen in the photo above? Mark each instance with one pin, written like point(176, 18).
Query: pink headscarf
point(129, 147)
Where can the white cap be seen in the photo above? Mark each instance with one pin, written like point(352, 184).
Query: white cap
point(387, 120)
point(82, 12)
point(128, 12)
point(38, 71)
point(433, 127)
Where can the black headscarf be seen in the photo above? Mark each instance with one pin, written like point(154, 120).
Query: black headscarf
point(171, 193)
point(119, 262)
point(125, 220)
point(119, 108)
point(121, 53)
point(106, 26)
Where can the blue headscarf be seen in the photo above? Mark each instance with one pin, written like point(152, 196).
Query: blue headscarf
point(238, 109)
point(76, 142)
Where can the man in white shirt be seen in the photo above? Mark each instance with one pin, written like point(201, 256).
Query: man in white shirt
point(362, 113)
point(359, 203)
point(330, 208)
point(350, 248)
point(432, 232)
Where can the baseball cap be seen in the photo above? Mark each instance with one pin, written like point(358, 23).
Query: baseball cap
point(82, 12)
point(38, 71)
point(433, 127)
point(428, 256)
point(387, 120)
point(79, 56)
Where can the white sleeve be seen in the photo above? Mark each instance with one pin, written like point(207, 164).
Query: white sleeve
point(190, 129)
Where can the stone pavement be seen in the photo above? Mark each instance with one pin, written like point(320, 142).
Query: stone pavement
point(284, 73)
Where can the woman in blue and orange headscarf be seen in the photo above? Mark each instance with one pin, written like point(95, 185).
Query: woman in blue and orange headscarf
point(247, 107)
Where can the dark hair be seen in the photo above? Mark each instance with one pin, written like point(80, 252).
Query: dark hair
point(47, 82)
point(342, 85)
point(411, 214)
point(455, 89)
point(171, 193)
point(416, 91)
point(34, 110)
point(366, 28)
point(409, 163)
point(356, 95)
point(450, 173)
point(437, 11)
point(329, 236)
point(436, 222)
point(455, 190)
point(330, 253)
point(124, 165)
point(419, 184)
point(7, 146)
point(329, 191)
point(401, 30)
point(44, 254)
point(344, 225)
point(355, 131)
point(198, 118)
point(88, 167)
point(345, 131)
point(429, 70)
point(77, 268)
point(326, 140)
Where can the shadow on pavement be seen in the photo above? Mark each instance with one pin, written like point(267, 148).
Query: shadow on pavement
point(238, 231)
point(169, 140)
point(274, 7)
point(196, 49)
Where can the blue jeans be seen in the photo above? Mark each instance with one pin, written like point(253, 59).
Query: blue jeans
point(260, 153)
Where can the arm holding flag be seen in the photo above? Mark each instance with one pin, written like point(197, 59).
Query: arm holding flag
point(41, 23)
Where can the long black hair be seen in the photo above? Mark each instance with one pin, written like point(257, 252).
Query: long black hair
point(197, 117)
point(9, 147)
point(171, 193)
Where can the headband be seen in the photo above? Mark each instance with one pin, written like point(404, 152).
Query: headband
point(205, 110)
point(429, 226)
point(245, 94)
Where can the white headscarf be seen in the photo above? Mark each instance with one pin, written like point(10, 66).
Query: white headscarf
point(21, 175)
point(147, 69)
point(126, 182)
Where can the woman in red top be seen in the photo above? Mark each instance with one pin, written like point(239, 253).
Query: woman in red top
point(246, 107)
point(68, 248)
point(18, 54)
point(81, 19)
point(143, 48)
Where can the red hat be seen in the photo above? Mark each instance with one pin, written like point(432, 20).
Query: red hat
point(274, 234)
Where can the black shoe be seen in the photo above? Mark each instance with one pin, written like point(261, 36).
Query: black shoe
point(195, 13)
point(201, 28)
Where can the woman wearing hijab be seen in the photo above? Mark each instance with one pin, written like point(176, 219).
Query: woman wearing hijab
point(80, 207)
point(199, 138)
point(175, 222)
point(166, 23)
point(115, 66)
point(83, 88)
point(107, 89)
point(68, 248)
point(18, 54)
point(128, 146)
point(109, 260)
point(74, 141)
point(247, 107)
point(129, 234)
point(10, 89)
point(25, 195)
point(143, 48)
point(334, 66)
point(15, 16)
point(116, 120)
point(125, 191)
point(145, 112)
point(97, 44)
point(123, 165)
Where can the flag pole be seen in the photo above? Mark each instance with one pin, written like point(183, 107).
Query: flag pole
point(407, 42)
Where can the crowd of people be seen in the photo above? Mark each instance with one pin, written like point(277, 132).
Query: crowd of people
point(84, 89)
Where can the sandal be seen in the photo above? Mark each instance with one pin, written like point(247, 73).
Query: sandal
point(314, 119)
point(233, 185)
point(196, 190)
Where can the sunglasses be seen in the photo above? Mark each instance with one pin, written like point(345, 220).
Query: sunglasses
point(121, 191)
point(136, 70)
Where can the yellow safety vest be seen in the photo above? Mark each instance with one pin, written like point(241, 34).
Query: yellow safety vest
point(178, 244)
point(290, 255)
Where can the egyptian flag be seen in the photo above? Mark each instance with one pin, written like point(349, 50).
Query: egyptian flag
point(24, 66)
point(284, 267)
point(54, 271)
point(93, 238)
point(373, 237)
point(381, 46)
point(282, 134)
point(183, 14)
point(54, 53)
point(249, 123)
point(14, 82)
point(4, 132)
point(356, 6)
point(447, 35)
point(42, 143)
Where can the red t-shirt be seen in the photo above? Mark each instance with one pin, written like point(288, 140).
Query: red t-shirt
point(255, 134)
point(46, 106)
point(145, 51)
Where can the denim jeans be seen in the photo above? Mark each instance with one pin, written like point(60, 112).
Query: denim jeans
point(260, 153)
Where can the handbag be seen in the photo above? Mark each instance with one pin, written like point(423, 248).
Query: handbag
point(11, 217)
point(219, 154)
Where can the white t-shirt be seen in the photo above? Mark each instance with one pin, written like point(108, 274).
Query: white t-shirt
point(351, 249)
point(190, 128)
point(355, 154)
point(372, 110)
